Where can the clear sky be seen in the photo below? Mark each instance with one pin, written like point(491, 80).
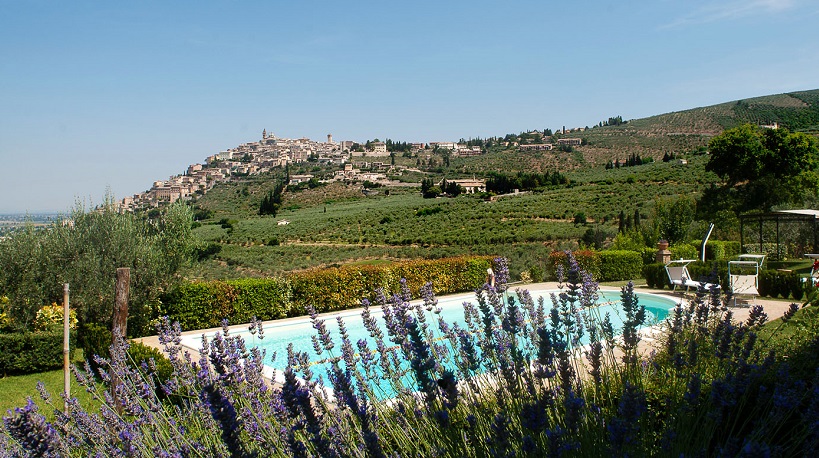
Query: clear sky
point(115, 95)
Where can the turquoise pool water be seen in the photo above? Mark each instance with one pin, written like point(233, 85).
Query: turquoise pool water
point(279, 334)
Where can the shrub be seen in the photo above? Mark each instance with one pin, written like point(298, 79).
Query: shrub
point(29, 352)
point(618, 265)
point(772, 250)
point(428, 211)
point(683, 251)
point(50, 318)
point(139, 353)
point(208, 251)
point(607, 265)
point(588, 260)
point(94, 339)
point(774, 283)
point(343, 287)
point(87, 253)
point(718, 250)
point(649, 255)
point(536, 273)
point(655, 275)
point(5, 318)
point(709, 389)
point(199, 305)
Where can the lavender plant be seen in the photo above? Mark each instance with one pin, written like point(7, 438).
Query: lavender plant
point(521, 377)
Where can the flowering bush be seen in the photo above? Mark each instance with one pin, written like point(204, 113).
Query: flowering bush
point(517, 379)
point(50, 318)
point(5, 318)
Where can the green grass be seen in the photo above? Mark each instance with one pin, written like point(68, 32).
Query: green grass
point(16, 389)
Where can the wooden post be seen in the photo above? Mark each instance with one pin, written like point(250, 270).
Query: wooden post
point(66, 347)
point(119, 326)
point(120, 321)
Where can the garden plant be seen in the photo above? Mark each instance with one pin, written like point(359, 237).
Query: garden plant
point(523, 377)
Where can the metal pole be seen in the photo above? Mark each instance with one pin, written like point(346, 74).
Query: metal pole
point(66, 347)
point(741, 234)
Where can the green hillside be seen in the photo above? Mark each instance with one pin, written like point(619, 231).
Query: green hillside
point(337, 224)
point(688, 130)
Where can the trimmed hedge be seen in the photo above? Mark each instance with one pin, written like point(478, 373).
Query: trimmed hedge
point(588, 260)
point(139, 353)
point(199, 305)
point(609, 265)
point(616, 265)
point(655, 275)
point(719, 250)
point(684, 251)
point(772, 283)
point(341, 288)
point(29, 352)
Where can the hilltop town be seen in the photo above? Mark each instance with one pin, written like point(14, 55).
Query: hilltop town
point(274, 152)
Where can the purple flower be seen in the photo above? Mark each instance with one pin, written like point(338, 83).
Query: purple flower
point(500, 441)
point(792, 309)
point(33, 433)
point(224, 413)
point(757, 316)
point(323, 334)
point(624, 429)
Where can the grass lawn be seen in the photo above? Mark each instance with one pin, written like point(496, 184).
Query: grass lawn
point(15, 389)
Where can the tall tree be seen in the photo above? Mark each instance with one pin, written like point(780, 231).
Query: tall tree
point(761, 168)
point(85, 250)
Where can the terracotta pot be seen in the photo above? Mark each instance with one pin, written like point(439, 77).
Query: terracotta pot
point(662, 245)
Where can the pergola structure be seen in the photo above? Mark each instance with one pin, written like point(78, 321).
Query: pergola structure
point(796, 228)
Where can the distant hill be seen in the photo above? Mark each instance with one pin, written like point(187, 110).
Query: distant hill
point(678, 133)
point(795, 110)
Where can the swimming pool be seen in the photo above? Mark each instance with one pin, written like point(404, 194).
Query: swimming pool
point(278, 335)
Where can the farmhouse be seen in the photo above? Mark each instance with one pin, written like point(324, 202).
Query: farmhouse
point(537, 147)
point(470, 185)
point(570, 141)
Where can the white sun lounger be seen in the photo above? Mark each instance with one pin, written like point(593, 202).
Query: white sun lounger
point(743, 278)
point(678, 274)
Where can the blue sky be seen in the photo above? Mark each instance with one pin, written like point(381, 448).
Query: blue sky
point(116, 95)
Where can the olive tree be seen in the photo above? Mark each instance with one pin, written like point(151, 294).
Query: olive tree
point(84, 250)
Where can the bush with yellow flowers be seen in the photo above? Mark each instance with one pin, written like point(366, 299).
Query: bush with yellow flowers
point(50, 318)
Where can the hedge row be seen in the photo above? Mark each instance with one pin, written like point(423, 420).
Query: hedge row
point(772, 283)
point(610, 265)
point(29, 352)
point(201, 305)
point(344, 287)
point(719, 249)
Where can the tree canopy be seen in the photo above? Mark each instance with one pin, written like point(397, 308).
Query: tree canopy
point(85, 250)
point(762, 167)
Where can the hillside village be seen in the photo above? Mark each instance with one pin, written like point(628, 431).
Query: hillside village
point(270, 152)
